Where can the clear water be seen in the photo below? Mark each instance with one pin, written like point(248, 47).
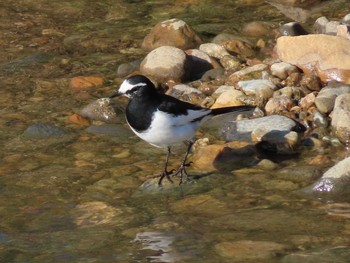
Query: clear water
point(77, 198)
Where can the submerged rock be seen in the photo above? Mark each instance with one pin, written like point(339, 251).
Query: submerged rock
point(100, 110)
point(334, 183)
point(43, 130)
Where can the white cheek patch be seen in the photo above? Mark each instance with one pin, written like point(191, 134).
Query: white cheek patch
point(127, 86)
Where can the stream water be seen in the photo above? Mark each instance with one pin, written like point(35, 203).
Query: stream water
point(77, 197)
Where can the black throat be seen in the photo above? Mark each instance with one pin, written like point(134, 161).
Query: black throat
point(141, 107)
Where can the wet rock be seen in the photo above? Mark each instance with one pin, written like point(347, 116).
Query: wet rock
point(173, 32)
point(278, 142)
point(79, 120)
point(94, 213)
point(165, 63)
point(341, 118)
point(128, 68)
point(252, 72)
point(339, 254)
point(292, 29)
point(229, 98)
point(328, 55)
point(279, 104)
point(282, 70)
point(241, 130)
point(248, 250)
point(296, 10)
point(100, 110)
point(227, 156)
point(214, 50)
point(326, 97)
point(116, 130)
point(25, 62)
point(334, 183)
point(198, 63)
point(200, 205)
point(43, 130)
point(257, 87)
point(86, 83)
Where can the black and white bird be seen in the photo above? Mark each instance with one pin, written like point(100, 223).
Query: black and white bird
point(162, 120)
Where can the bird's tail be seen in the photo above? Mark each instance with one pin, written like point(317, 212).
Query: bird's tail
point(224, 110)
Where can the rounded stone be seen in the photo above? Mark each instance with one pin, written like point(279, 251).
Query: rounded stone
point(165, 63)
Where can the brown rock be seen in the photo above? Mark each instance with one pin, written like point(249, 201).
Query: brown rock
point(240, 47)
point(327, 56)
point(243, 250)
point(257, 28)
point(80, 120)
point(173, 32)
point(85, 83)
point(278, 104)
point(229, 98)
point(213, 157)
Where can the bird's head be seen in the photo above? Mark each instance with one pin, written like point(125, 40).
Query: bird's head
point(134, 86)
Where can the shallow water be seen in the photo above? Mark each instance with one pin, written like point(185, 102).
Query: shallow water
point(77, 197)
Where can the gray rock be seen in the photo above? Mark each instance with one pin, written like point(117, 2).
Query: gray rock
point(213, 74)
point(43, 130)
point(324, 26)
point(165, 63)
point(341, 117)
point(326, 98)
point(25, 62)
point(257, 87)
point(242, 130)
point(100, 110)
point(116, 130)
point(346, 19)
point(249, 70)
point(214, 50)
point(292, 29)
point(283, 69)
point(320, 25)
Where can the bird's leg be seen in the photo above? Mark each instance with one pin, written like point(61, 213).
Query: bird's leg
point(182, 169)
point(165, 172)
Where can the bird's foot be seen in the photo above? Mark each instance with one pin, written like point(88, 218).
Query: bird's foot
point(166, 174)
point(181, 172)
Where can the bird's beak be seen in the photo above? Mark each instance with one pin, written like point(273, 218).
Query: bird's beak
point(116, 94)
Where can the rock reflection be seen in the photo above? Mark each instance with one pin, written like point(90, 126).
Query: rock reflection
point(160, 246)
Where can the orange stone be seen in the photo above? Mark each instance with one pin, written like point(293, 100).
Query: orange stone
point(86, 82)
point(77, 119)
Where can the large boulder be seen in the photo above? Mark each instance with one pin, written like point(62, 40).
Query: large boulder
point(173, 32)
point(327, 56)
point(165, 63)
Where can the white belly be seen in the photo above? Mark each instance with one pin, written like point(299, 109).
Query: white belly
point(167, 130)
